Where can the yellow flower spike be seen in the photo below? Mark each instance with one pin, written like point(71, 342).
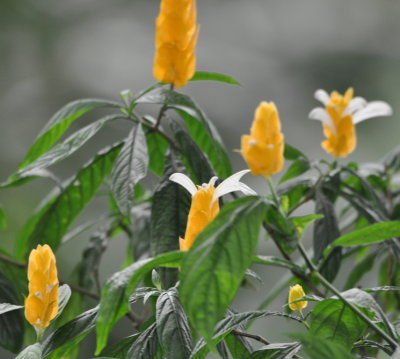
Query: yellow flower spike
point(339, 117)
point(41, 305)
point(176, 37)
point(297, 292)
point(263, 148)
point(205, 207)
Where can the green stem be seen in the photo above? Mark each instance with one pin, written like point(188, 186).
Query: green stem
point(354, 308)
point(272, 190)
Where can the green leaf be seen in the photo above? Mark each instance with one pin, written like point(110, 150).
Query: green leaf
point(213, 76)
point(278, 262)
point(277, 351)
point(71, 332)
point(196, 161)
point(141, 219)
point(120, 349)
point(297, 168)
point(170, 207)
point(64, 294)
point(318, 348)
point(52, 221)
point(200, 127)
point(326, 229)
point(61, 150)
point(214, 267)
point(238, 346)
point(3, 218)
point(333, 320)
point(7, 307)
point(281, 229)
point(156, 147)
point(371, 234)
point(117, 290)
point(59, 123)
point(34, 351)
point(146, 345)
point(292, 153)
point(11, 323)
point(129, 168)
point(359, 270)
point(302, 222)
point(173, 328)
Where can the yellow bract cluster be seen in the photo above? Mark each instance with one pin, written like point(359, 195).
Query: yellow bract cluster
point(263, 148)
point(41, 305)
point(296, 292)
point(341, 139)
point(203, 210)
point(176, 37)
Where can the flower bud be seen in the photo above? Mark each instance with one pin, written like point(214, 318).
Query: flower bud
point(41, 305)
point(296, 292)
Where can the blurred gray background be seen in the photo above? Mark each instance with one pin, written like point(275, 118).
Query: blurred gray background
point(282, 51)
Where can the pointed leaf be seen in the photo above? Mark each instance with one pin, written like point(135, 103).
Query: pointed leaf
point(297, 168)
point(7, 307)
point(213, 269)
point(59, 123)
point(130, 167)
point(156, 147)
point(213, 76)
point(34, 351)
point(146, 345)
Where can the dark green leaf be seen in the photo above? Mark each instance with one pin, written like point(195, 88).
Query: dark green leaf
point(141, 219)
point(129, 168)
point(292, 153)
point(52, 221)
point(238, 346)
point(200, 127)
point(371, 234)
point(64, 336)
point(318, 348)
point(120, 349)
point(297, 168)
point(11, 323)
point(333, 320)
point(61, 150)
point(59, 123)
point(146, 346)
point(326, 229)
point(277, 351)
point(213, 76)
point(173, 328)
point(3, 218)
point(281, 229)
point(359, 270)
point(7, 307)
point(117, 290)
point(169, 212)
point(34, 351)
point(195, 160)
point(214, 267)
point(371, 344)
point(278, 262)
point(156, 147)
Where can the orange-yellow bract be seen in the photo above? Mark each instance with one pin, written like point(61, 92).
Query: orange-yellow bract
point(296, 292)
point(203, 210)
point(263, 148)
point(339, 117)
point(205, 206)
point(41, 305)
point(176, 37)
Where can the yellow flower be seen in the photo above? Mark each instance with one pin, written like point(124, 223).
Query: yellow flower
point(296, 292)
point(41, 305)
point(339, 116)
point(176, 37)
point(263, 148)
point(205, 206)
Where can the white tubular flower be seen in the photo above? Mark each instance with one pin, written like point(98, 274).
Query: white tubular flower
point(205, 206)
point(340, 114)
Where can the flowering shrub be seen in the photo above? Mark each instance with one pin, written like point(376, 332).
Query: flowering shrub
point(190, 247)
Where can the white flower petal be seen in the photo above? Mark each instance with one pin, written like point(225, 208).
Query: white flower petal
point(320, 114)
point(356, 104)
point(322, 96)
point(212, 181)
point(184, 181)
point(232, 184)
point(373, 109)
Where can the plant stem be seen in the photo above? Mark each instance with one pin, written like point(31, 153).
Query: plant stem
point(353, 307)
point(272, 191)
point(252, 336)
